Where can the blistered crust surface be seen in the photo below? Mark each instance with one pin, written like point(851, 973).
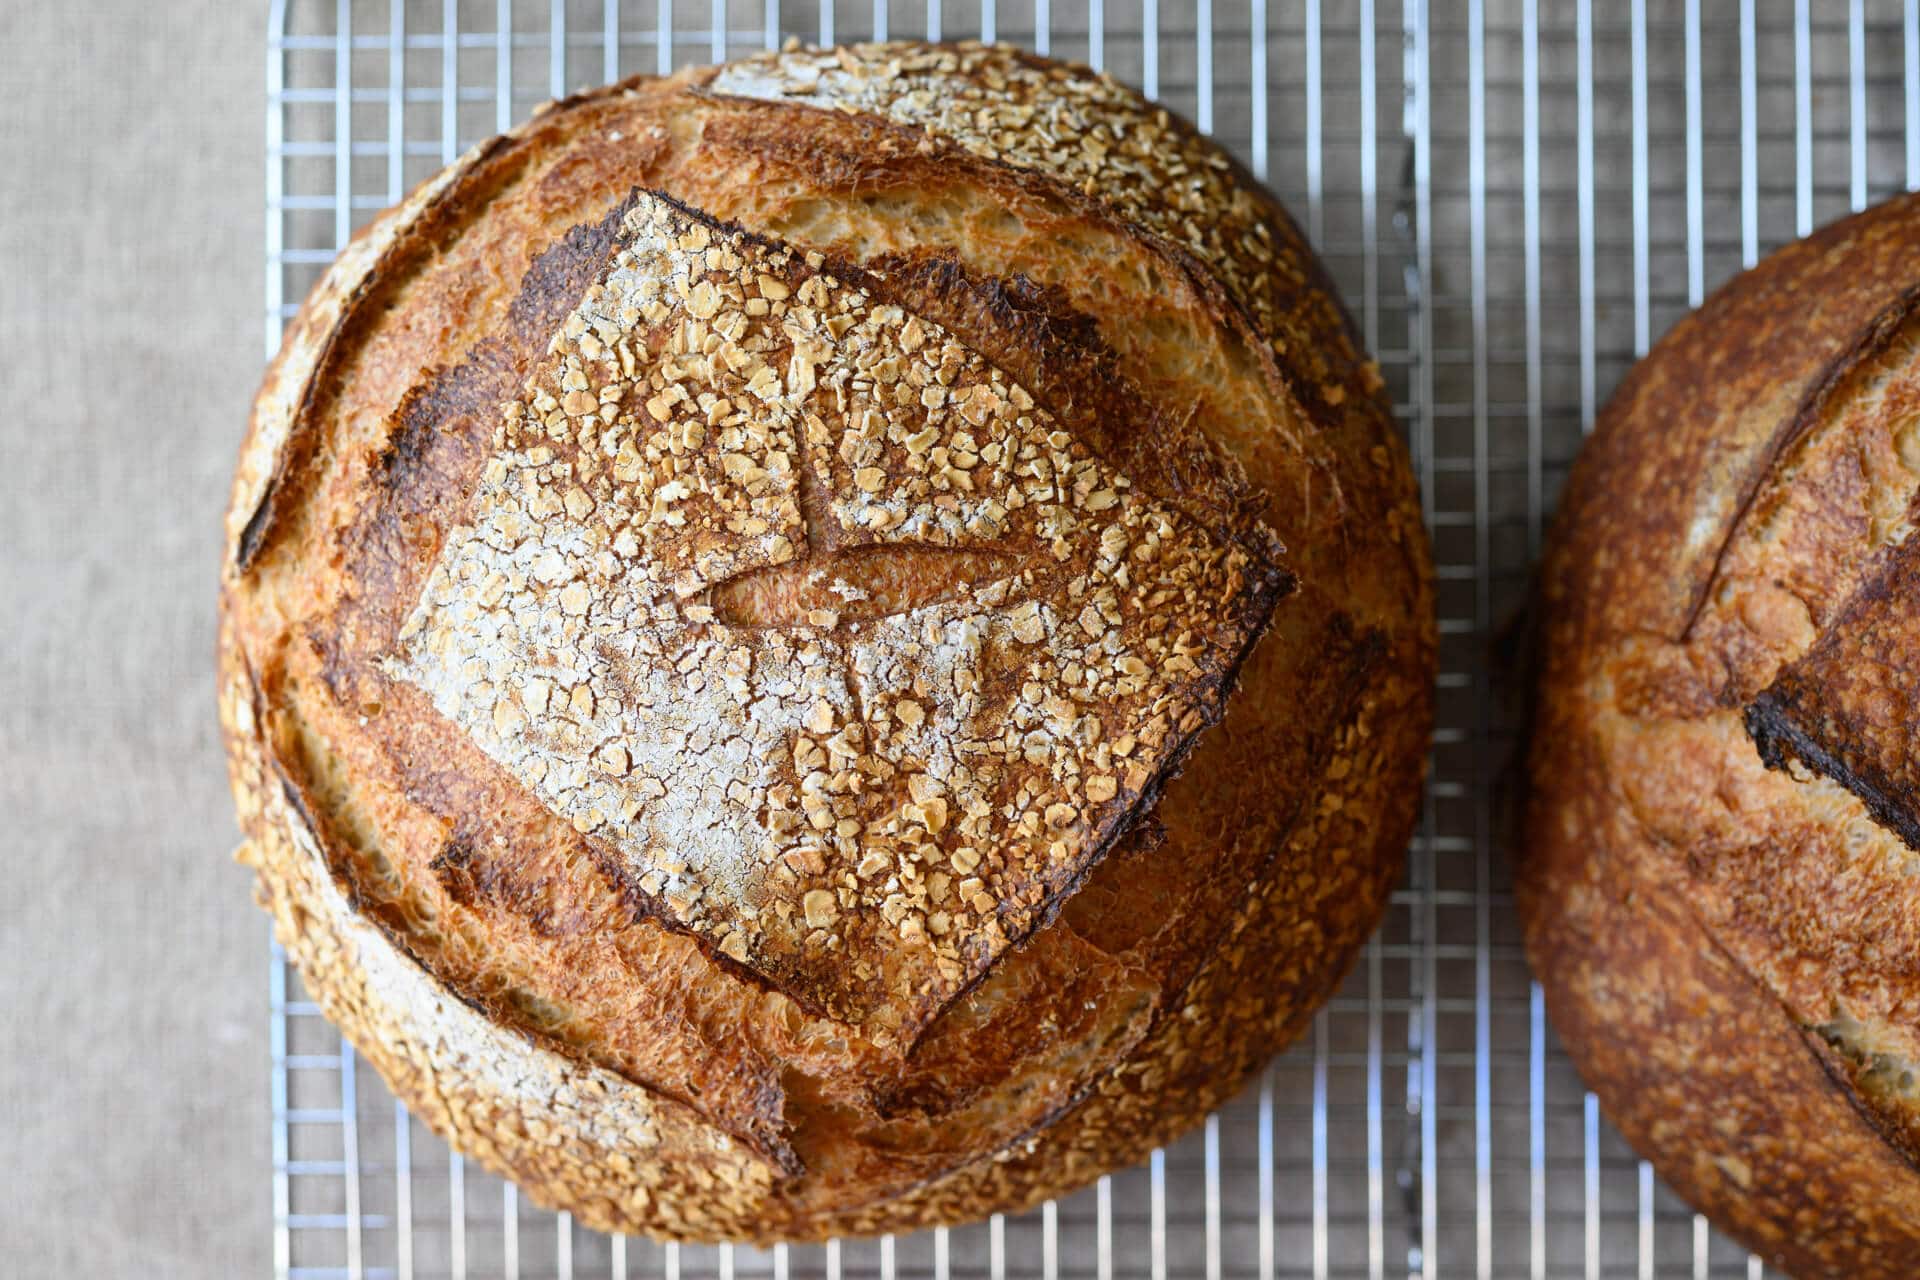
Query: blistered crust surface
point(1719, 758)
point(1193, 922)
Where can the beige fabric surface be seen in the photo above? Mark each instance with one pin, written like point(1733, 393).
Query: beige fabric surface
point(133, 1071)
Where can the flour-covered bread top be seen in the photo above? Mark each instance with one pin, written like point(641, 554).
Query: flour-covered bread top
point(725, 583)
point(835, 647)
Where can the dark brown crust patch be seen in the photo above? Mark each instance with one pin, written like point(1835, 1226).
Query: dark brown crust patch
point(1728, 610)
point(360, 307)
point(444, 428)
point(1847, 709)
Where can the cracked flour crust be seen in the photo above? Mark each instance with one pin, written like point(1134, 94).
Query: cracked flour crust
point(861, 810)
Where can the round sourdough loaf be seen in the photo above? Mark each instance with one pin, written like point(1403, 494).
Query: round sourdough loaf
point(831, 644)
point(1719, 871)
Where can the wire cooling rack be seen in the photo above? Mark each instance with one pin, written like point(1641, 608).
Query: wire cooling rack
point(1515, 198)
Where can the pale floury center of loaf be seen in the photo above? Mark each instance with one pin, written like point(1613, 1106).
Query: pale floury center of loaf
point(865, 806)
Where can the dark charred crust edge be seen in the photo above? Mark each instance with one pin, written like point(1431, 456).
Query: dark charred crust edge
point(1373, 648)
point(1792, 719)
point(1838, 1072)
point(1778, 737)
point(1369, 650)
point(1215, 695)
point(1820, 397)
point(422, 480)
point(294, 450)
point(246, 547)
point(1161, 1003)
point(263, 522)
point(493, 368)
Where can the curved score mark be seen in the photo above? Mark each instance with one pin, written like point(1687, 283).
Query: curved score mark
point(1871, 344)
point(864, 583)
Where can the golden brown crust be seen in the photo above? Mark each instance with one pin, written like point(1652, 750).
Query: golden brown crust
point(1168, 931)
point(1700, 1067)
point(1715, 885)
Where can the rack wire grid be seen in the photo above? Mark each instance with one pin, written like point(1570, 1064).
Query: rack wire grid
point(1514, 197)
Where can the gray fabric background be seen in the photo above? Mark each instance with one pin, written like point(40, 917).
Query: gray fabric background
point(133, 1070)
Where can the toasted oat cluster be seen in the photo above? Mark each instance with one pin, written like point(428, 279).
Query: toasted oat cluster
point(827, 645)
point(1084, 130)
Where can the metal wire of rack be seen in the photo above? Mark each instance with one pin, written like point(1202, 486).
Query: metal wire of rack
point(1515, 197)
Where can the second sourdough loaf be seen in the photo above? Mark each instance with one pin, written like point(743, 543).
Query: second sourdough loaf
point(1718, 880)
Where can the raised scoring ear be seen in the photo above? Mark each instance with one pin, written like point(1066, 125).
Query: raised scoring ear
point(1846, 709)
